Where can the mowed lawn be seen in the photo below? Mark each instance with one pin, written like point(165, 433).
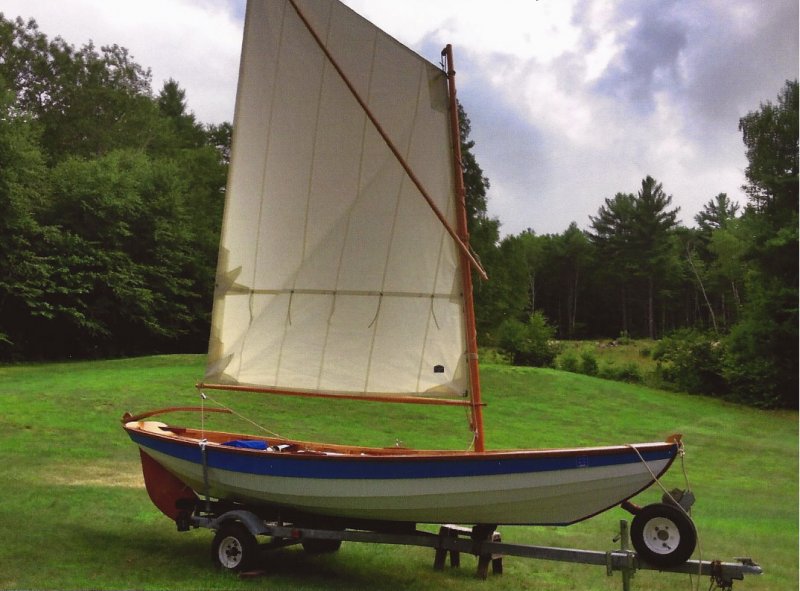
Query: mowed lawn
point(75, 515)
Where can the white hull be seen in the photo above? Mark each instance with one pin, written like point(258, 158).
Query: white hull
point(539, 496)
point(542, 498)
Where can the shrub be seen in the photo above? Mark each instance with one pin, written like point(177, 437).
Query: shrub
point(529, 343)
point(569, 362)
point(493, 356)
point(588, 363)
point(751, 381)
point(759, 366)
point(691, 361)
point(629, 372)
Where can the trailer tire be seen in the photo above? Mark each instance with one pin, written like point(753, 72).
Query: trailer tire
point(317, 546)
point(234, 548)
point(663, 535)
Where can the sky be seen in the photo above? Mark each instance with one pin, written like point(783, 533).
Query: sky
point(571, 101)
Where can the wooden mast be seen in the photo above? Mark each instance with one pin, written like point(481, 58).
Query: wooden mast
point(466, 270)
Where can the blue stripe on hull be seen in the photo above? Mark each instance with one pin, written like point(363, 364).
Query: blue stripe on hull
point(368, 467)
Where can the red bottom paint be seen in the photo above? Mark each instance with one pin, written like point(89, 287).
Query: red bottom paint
point(164, 488)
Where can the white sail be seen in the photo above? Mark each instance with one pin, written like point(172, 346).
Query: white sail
point(334, 274)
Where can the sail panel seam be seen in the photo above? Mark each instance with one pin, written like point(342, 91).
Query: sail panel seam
point(264, 178)
point(311, 168)
point(349, 217)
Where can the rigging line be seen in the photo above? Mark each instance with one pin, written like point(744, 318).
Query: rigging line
point(471, 446)
point(470, 421)
point(480, 262)
point(206, 488)
point(453, 234)
point(244, 418)
point(682, 453)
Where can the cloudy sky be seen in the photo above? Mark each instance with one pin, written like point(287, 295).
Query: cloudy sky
point(571, 101)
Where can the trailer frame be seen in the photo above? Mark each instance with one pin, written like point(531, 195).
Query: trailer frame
point(481, 541)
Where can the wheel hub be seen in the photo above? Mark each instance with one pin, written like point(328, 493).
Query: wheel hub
point(661, 535)
point(230, 552)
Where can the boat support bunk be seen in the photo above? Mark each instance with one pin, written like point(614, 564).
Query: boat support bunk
point(235, 546)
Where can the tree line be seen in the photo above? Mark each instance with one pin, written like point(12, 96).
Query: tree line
point(724, 291)
point(111, 200)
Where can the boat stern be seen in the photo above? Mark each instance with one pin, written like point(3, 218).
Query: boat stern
point(173, 497)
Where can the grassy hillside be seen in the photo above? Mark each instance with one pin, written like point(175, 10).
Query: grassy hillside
point(75, 515)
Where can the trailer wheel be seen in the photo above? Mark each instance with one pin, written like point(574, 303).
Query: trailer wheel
point(317, 546)
point(663, 535)
point(234, 548)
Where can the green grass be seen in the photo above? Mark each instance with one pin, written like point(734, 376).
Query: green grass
point(74, 514)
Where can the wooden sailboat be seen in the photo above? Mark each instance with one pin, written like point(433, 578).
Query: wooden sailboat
point(344, 271)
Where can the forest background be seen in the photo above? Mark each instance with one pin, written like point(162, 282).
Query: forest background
point(111, 198)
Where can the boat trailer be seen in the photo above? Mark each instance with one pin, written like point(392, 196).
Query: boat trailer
point(235, 547)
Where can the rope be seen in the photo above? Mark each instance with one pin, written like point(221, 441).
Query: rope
point(202, 415)
point(241, 416)
point(203, 452)
point(469, 414)
point(206, 488)
point(682, 454)
point(472, 443)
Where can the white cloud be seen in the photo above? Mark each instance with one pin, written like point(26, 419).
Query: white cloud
point(570, 101)
point(196, 43)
